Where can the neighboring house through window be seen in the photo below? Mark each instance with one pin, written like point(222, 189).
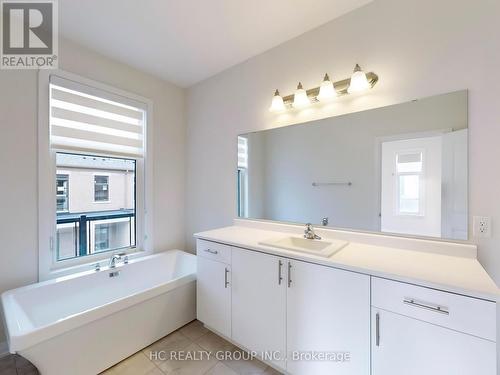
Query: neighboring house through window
point(90, 227)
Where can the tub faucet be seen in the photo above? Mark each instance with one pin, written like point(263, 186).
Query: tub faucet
point(309, 233)
point(114, 259)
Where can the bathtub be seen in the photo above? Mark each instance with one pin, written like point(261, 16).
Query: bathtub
point(87, 322)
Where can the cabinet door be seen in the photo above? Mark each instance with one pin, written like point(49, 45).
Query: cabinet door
point(258, 303)
point(214, 295)
point(328, 311)
point(413, 347)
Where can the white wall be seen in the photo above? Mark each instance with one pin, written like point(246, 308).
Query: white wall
point(418, 48)
point(18, 153)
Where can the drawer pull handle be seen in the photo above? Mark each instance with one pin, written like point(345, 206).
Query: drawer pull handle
point(215, 252)
point(226, 281)
point(280, 278)
point(426, 306)
point(289, 274)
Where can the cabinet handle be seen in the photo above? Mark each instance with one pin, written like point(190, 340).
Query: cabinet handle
point(426, 306)
point(212, 251)
point(377, 329)
point(226, 282)
point(280, 278)
point(289, 274)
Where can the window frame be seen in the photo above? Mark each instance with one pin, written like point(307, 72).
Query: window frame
point(421, 176)
point(94, 224)
point(95, 241)
point(66, 195)
point(242, 180)
point(107, 183)
point(48, 266)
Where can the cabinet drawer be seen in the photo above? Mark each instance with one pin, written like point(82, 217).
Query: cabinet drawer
point(464, 314)
point(213, 250)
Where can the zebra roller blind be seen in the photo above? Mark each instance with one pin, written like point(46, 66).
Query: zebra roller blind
point(87, 119)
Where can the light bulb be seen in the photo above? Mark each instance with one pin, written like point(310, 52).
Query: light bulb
point(359, 82)
point(326, 90)
point(277, 104)
point(300, 99)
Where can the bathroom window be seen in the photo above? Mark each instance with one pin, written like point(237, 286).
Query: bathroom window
point(409, 179)
point(93, 139)
point(62, 192)
point(89, 227)
point(101, 188)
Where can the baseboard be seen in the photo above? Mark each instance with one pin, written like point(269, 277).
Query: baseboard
point(4, 348)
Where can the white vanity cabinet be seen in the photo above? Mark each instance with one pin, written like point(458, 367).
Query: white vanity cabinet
point(213, 291)
point(418, 330)
point(326, 320)
point(328, 310)
point(281, 305)
point(259, 303)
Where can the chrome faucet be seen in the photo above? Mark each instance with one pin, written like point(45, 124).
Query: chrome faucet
point(309, 233)
point(114, 259)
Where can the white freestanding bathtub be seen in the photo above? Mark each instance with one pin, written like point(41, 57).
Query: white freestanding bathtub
point(87, 322)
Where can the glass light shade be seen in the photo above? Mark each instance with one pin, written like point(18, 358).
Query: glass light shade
point(300, 98)
point(326, 90)
point(359, 82)
point(277, 104)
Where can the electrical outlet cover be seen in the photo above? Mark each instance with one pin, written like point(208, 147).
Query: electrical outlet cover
point(482, 226)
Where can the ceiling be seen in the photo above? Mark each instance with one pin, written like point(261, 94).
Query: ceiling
point(187, 41)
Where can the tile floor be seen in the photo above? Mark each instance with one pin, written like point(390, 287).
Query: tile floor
point(192, 338)
point(16, 365)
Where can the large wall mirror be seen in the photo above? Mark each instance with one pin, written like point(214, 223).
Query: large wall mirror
point(399, 169)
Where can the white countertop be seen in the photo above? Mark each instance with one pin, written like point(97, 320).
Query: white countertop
point(456, 274)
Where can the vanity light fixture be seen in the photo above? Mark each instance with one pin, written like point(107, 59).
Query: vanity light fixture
point(327, 91)
point(300, 98)
point(277, 104)
point(359, 81)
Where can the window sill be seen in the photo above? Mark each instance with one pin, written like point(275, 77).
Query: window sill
point(72, 266)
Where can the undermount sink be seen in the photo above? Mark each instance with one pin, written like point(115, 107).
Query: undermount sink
point(324, 248)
